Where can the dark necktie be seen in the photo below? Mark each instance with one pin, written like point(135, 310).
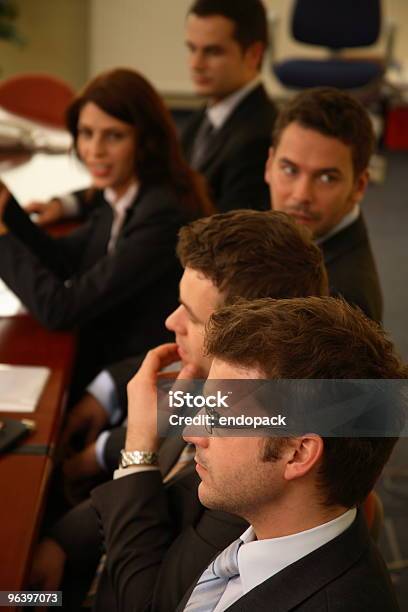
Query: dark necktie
point(202, 141)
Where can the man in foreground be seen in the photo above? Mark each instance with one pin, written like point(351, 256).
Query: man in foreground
point(307, 547)
point(238, 254)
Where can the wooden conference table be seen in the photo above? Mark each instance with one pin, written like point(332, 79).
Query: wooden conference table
point(25, 472)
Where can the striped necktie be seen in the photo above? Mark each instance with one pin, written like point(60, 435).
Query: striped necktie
point(213, 582)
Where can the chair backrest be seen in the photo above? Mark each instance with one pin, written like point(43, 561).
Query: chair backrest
point(337, 24)
point(39, 97)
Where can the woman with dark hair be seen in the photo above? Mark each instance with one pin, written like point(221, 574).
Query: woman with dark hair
point(115, 277)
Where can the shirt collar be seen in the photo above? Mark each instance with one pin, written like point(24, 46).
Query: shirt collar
point(219, 112)
point(258, 560)
point(121, 204)
point(345, 222)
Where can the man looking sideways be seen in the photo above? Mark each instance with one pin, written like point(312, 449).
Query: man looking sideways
point(307, 547)
point(317, 172)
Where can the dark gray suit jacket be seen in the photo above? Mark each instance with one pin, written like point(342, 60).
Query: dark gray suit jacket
point(346, 574)
point(235, 162)
point(150, 561)
point(169, 515)
point(351, 268)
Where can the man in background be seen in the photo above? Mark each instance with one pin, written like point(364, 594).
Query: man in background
point(228, 140)
point(317, 172)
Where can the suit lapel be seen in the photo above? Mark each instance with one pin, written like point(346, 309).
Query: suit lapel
point(102, 221)
point(299, 581)
point(236, 119)
point(296, 583)
point(346, 240)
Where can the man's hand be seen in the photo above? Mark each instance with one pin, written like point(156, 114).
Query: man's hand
point(82, 465)
point(48, 566)
point(88, 418)
point(142, 397)
point(47, 212)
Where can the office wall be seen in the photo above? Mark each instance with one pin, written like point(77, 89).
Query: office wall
point(78, 38)
point(144, 34)
point(148, 35)
point(57, 40)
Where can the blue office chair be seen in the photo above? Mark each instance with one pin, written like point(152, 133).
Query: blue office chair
point(336, 25)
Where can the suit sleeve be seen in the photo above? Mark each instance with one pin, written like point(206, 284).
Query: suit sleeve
point(78, 534)
point(135, 519)
point(144, 251)
point(158, 538)
point(114, 444)
point(50, 252)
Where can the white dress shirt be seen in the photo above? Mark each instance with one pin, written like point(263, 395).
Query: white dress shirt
point(258, 560)
point(347, 220)
point(71, 208)
point(119, 208)
point(218, 113)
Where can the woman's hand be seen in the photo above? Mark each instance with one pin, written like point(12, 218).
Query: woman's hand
point(46, 212)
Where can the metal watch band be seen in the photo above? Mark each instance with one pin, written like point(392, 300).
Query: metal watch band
point(138, 458)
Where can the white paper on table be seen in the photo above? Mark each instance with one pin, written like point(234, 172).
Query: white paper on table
point(21, 387)
point(10, 304)
point(46, 176)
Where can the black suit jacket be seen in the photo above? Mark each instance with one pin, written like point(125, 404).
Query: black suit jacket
point(346, 574)
point(168, 536)
point(351, 268)
point(151, 560)
point(235, 163)
point(119, 301)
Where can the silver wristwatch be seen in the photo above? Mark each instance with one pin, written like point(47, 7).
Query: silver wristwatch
point(138, 458)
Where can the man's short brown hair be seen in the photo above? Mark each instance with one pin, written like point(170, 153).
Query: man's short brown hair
point(248, 16)
point(332, 113)
point(314, 338)
point(252, 254)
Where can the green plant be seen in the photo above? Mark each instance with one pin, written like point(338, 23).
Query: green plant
point(8, 15)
